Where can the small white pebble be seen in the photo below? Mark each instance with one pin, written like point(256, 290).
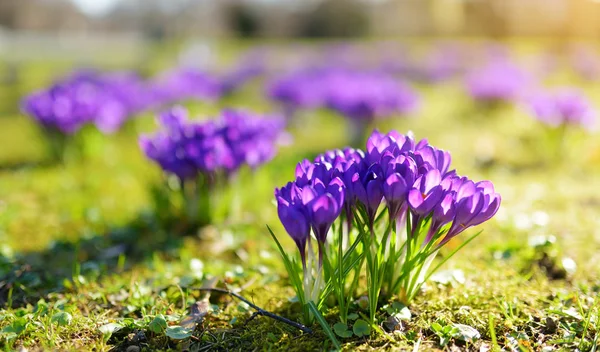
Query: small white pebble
point(569, 265)
point(522, 221)
point(540, 218)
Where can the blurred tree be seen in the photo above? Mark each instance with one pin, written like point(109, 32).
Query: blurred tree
point(8, 14)
point(242, 20)
point(336, 18)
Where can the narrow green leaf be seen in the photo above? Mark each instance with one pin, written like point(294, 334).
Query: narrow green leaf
point(451, 255)
point(292, 270)
point(324, 324)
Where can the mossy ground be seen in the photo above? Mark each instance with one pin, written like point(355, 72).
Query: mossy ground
point(81, 238)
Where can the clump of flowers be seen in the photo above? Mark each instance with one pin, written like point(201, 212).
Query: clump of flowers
point(499, 81)
point(105, 101)
point(203, 156)
point(384, 212)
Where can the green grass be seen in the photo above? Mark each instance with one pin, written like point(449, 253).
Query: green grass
point(85, 265)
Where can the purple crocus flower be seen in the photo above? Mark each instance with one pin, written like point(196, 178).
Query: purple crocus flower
point(326, 206)
point(393, 142)
point(367, 185)
point(443, 213)
point(316, 199)
point(428, 157)
point(293, 216)
point(563, 107)
point(187, 148)
point(474, 204)
point(400, 176)
point(426, 193)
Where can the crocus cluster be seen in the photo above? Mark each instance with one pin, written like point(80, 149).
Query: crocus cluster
point(394, 206)
point(356, 94)
point(188, 148)
point(498, 81)
point(86, 97)
point(563, 107)
point(204, 155)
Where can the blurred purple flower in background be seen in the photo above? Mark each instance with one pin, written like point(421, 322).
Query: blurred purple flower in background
point(302, 89)
point(368, 96)
point(585, 62)
point(563, 107)
point(189, 148)
point(181, 84)
point(498, 81)
point(358, 95)
point(87, 97)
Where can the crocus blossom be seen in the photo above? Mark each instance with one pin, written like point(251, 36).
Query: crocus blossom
point(412, 181)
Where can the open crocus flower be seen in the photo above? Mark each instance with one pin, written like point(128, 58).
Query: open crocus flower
point(426, 193)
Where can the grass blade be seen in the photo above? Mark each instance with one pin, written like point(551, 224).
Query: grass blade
point(324, 325)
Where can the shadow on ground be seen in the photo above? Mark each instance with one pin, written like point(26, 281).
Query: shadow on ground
point(27, 277)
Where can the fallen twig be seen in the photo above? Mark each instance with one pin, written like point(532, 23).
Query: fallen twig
point(259, 311)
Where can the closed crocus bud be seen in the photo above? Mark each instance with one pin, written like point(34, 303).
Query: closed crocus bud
point(304, 170)
point(395, 191)
point(491, 201)
point(426, 193)
point(443, 213)
point(323, 211)
point(368, 189)
point(475, 204)
point(467, 209)
point(434, 158)
point(295, 222)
